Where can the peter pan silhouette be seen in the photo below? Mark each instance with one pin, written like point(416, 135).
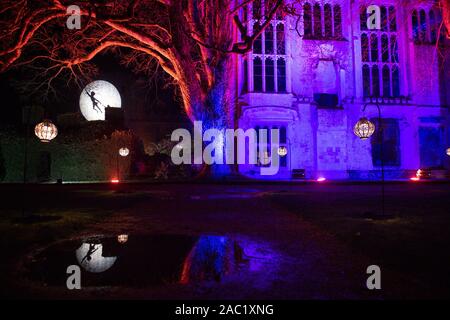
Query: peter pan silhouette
point(95, 101)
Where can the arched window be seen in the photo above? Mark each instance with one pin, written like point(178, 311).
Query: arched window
point(423, 26)
point(337, 22)
point(365, 47)
point(269, 136)
point(363, 18)
point(394, 49)
point(366, 80)
point(245, 76)
point(317, 27)
point(373, 48)
point(257, 135)
point(317, 21)
point(395, 82)
point(257, 45)
point(281, 75)
point(270, 75)
point(283, 161)
point(386, 81)
point(257, 9)
point(283, 137)
point(269, 49)
point(280, 15)
point(328, 21)
point(392, 19)
point(384, 19)
point(245, 14)
point(415, 26)
point(281, 45)
point(433, 27)
point(443, 33)
point(375, 81)
point(384, 48)
point(380, 57)
point(307, 20)
point(257, 74)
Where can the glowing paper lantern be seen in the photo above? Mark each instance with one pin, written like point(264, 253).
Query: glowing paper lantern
point(419, 173)
point(122, 238)
point(124, 152)
point(364, 129)
point(282, 151)
point(46, 131)
point(448, 152)
point(97, 96)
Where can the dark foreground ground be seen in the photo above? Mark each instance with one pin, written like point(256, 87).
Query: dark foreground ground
point(211, 241)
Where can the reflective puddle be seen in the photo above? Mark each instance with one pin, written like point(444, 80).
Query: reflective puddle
point(141, 261)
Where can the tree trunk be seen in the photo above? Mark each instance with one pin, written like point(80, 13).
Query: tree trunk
point(214, 106)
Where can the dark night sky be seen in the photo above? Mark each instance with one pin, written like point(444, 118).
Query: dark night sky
point(110, 70)
point(10, 104)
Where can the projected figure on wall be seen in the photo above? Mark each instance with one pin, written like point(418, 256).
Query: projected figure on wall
point(96, 97)
point(95, 101)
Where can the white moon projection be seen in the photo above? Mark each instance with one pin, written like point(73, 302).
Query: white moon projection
point(90, 257)
point(97, 96)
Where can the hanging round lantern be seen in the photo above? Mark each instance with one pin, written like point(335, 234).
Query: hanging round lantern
point(122, 238)
point(124, 151)
point(282, 151)
point(46, 131)
point(364, 129)
point(448, 152)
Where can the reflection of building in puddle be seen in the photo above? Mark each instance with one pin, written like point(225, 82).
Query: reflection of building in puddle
point(212, 257)
point(90, 257)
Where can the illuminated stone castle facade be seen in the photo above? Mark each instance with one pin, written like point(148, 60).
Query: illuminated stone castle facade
point(310, 76)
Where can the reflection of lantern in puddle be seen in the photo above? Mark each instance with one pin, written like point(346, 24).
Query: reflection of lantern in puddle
point(212, 257)
point(90, 257)
point(122, 238)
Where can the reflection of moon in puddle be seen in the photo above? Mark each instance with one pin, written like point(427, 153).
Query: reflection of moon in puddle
point(89, 256)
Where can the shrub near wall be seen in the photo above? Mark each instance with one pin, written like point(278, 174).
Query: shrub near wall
point(12, 148)
point(82, 161)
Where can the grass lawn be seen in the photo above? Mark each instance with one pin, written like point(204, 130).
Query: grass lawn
point(413, 244)
point(411, 247)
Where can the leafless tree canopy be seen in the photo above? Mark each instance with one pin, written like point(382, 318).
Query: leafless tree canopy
point(190, 39)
